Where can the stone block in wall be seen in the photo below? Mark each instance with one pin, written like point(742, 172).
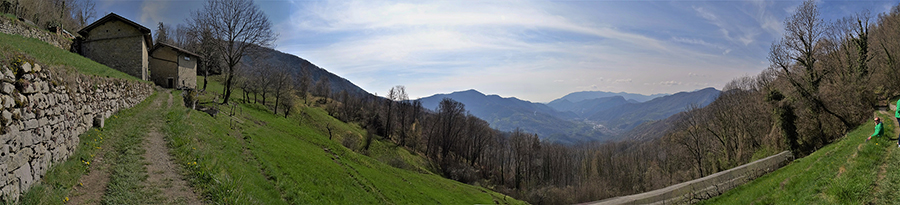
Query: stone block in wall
point(7, 160)
point(11, 191)
point(27, 115)
point(26, 67)
point(25, 138)
point(3, 176)
point(4, 150)
point(39, 167)
point(15, 126)
point(26, 86)
point(20, 99)
point(8, 101)
point(25, 177)
point(6, 74)
point(31, 124)
point(7, 88)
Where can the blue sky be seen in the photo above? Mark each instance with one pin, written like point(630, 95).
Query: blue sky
point(533, 50)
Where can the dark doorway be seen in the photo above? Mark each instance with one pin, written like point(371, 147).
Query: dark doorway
point(170, 83)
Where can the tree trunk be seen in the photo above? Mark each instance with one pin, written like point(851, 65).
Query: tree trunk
point(205, 76)
point(228, 84)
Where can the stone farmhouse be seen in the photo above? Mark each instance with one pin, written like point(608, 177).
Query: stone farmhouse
point(173, 67)
point(119, 43)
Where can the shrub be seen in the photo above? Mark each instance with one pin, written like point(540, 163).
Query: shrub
point(350, 141)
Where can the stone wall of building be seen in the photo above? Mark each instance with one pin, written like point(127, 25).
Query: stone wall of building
point(118, 45)
point(42, 112)
point(15, 27)
point(164, 66)
point(187, 71)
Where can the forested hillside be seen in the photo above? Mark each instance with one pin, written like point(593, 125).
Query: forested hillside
point(510, 114)
point(624, 117)
point(561, 121)
point(588, 107)
point(808, 97)
point(587, 95)
point(275, 61)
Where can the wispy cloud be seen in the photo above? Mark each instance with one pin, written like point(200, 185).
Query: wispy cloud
point(153, 11)
point(536, 50)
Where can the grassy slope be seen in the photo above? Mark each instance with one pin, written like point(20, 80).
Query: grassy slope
point(270, 159)
point(47, 54)
point(849, 171)
point(267, 159)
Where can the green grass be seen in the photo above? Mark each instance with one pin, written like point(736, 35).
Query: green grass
point(844, 172)
point(50, 55)
point(257, 157)
point(8, 16)
point(254, 157)
point(126, 171)
point(123, 133)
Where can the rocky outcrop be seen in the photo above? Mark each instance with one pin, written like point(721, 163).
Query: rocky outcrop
point(15, 27)
point(42, 112)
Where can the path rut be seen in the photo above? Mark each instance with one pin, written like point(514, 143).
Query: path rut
point(93, 185)
point(164, 177)
point(163, 174)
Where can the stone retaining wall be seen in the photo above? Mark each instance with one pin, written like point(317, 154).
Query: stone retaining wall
point(707, 187)
point(42, 112)
point(15, 27)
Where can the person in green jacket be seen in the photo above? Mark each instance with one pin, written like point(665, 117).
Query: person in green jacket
point(879, 130)
point(897, 115)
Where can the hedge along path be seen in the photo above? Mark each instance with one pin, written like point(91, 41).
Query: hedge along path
point(163, 173)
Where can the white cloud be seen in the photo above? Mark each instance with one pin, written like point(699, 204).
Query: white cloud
point(153, 11)
point(532, 50)
point(669, 83)
point(706, 14)
point(622, 80)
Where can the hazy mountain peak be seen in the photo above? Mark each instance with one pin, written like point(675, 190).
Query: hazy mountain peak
point(575, 97)
point(469, 91)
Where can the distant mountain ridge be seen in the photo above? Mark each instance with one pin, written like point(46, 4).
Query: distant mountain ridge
point(508, 114)
point(587, 95)
point(563, 121)
point(587, 107)
point(628, 116)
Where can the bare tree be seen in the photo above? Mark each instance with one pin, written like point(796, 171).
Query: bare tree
point(202, 41)
point(240, 26)
point(323, 88)
point(303, 84)
point(83, 13)
point(693, 138)
point(181, 36)
point(282, 84)
point(797, 55)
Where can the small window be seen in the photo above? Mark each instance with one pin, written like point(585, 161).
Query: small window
point(187, 58)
